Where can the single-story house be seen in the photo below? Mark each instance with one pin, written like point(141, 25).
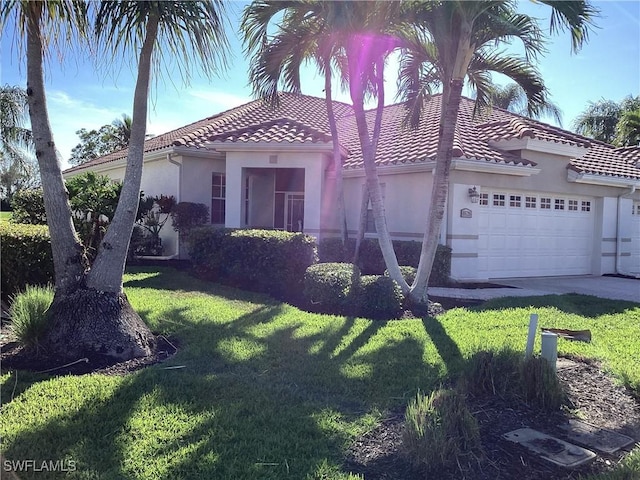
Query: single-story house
point(525, 199)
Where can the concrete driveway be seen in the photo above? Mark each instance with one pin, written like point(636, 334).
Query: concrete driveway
point(614, 288)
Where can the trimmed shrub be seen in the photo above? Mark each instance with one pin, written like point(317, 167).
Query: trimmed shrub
point(379, 298)
point(439, 429)
point(408, 273)
point(371, 261)
point(186, 216)
point(29, 314)
point(28, 207)
point(25, 257)
point(329, 287)
point(267, 261)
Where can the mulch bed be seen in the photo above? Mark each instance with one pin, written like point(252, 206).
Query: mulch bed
point(593, 396)
point(15, 357)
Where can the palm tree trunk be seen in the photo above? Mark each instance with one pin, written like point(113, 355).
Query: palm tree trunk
point(448, 119)
point(97, 320)
point(68, 256)
point(108, 268)
point(362, 224)
point(368, 147)
point(337, 156)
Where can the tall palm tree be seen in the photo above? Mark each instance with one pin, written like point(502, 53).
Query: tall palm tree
point(303, 35)
point(17, 169)
point(459, 41)
point(513, 98)
point(628, 129)
point(122, 130)
point(350, 34)
point(189, 31)
point(601, 121)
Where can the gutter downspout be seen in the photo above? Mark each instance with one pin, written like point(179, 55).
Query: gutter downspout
point(179, 165)
point(619, 233)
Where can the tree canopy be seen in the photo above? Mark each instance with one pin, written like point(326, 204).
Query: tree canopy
point(617, 123)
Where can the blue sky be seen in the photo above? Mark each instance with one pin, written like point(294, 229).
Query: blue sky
point(79, 95)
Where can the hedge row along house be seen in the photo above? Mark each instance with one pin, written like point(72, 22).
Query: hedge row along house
point(526, 198)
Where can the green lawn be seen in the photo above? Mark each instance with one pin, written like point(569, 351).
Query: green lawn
point(5, 216)
point(268, 391)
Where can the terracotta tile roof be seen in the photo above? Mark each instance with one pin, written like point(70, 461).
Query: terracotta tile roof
point(629, 154)
point(302, 119)
point(309, 113)
point(279, 131)
point(603, 159)
point(400, 145)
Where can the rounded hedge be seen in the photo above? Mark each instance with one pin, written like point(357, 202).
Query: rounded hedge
point(379, 298)
point(329, 287)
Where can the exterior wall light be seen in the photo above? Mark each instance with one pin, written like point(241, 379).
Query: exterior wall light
point(474, 195)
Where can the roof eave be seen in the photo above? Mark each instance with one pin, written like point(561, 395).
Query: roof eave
point(543, 146)
point(483, 166)
point(270, 146)
point(574, 176)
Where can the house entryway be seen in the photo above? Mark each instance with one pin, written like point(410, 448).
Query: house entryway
point(533, 234)
point(274, 198)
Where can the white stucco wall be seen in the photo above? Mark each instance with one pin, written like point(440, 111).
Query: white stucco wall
point(314, 164)
point(406, 200)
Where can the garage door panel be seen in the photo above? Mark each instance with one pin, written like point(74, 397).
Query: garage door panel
point(515, 240)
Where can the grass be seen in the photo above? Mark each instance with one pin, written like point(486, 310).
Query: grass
point(5, 216)
point(268, 391)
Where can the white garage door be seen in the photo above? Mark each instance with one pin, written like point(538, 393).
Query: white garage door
point(524, 234)
point(634, 263)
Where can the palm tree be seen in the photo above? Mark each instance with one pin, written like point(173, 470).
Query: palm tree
point(303, 36)
point(122, 130)
point(458, 41)
point(513, 98)
point(81, 292)
point(17, 168)
point(628, 129)
point(349, 34)
point(601, 121)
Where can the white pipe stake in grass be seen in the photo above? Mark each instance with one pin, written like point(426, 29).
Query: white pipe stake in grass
point(533, 328)
point(550, 348)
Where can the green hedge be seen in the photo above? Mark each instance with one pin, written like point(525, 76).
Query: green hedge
point(28, 207)
point(329, 287)
point(267, 261)
point(379, 298)
point(25, 256)
point(372, 263)
point(339, 289)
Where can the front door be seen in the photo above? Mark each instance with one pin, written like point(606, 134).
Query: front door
point(294, 212)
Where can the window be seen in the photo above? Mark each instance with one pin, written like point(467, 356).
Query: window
point(498, 200)
point(515, 201)
point(559, 204)
point(586, 206)
point(545, 203)
point(573, 205)
point(530, 202)
point(484, 199)
point(218, 195)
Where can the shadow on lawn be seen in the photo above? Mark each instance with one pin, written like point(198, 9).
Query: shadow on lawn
point(262, 396)
point(583, 305)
